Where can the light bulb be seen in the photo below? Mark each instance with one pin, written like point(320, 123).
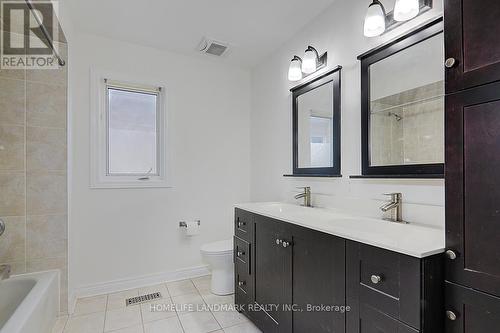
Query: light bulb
point(310, 62)
point(295, 71)
point(405, 10)
point(374, 20)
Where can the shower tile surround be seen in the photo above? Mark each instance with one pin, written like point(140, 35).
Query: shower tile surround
point(408, 127)
point(33, 172)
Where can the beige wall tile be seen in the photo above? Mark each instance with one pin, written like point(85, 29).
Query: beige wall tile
point(46, 105)
point(18, 74)
point(12, 244)
point(46, 236)
point(12, 200)
point(61, 264)
point(46, 193)
point(58, 77)
point(11, 147)
point(17, 267)
point(46, 148)
point(12, 101)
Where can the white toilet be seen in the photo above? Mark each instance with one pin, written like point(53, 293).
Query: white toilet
point(219, 255)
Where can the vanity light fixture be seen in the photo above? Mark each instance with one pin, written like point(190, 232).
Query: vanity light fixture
point(405, 10)
point(312, 62)
point(295, 69)
point(311, 59)
point(375, 19)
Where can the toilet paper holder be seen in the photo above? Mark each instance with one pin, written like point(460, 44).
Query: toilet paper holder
point(183, 224)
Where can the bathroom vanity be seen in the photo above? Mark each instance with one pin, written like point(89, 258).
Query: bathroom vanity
point(301, 269)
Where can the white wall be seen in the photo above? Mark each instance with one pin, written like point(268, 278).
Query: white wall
point(120, 234)
point(339, 30)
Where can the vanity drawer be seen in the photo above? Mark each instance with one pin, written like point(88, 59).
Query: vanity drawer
point(243, 224)
point(242, 253)
point(244, 285)
point(387, 281)
point(374, 321)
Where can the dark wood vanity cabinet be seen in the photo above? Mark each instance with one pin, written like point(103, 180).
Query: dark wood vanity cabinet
point(472, 43)
point(391, 292)
point(293, 279)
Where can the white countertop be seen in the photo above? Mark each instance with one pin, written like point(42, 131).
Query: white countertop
point(415, 240)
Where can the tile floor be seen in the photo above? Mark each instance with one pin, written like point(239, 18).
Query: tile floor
point(185, 307)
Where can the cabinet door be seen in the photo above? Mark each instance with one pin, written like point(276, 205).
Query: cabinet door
point(470, 311)
point(318, 279)
point(472, 31)
point(473, 188)
point(273, 275)
point(374, 321)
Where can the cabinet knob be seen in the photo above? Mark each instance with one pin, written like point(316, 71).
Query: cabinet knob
point(279, 241)
point(241, 283)
point(241, 224)
point(376, 279)
point(240, 253)
point(286, 244)
point(451, 255)
point(451, 315)
point(450, 62)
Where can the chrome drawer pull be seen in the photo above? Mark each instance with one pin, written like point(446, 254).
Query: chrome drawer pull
point(286, 244)
point(451, 315)
point(450, 62)
point(240, 253)
point(451, 255)
point(241, 283)
point(376, 279)
point(241, 224)
point(279, 241)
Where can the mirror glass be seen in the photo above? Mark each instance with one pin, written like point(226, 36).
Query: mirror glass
point(406, 123)
point(315, 127)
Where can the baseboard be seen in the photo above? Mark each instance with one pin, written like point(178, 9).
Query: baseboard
point(135, 282)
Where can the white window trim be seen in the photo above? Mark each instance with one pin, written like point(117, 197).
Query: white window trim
point(99, 178)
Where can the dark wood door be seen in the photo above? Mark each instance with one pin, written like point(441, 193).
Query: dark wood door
point(472, 38)
point(318, 280)
point(473, 188)
point(273, 275)
point(470, 311)
point(373, 321)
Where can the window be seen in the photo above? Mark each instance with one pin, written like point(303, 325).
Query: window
point(128, 134)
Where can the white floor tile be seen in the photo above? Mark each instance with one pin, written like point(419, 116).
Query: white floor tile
point(157, 310)
point(229, 318)
point(243, 328)
point(183, 287)
point(122, 318)
point(210, 298)
point(89, 305)
point(117, 300)
point(162, 288)
point(189, 303)
point(133, 329)
point(199, 322)
point(92, 323)
point(202, 283)
point(59, 324)
point(170, 325)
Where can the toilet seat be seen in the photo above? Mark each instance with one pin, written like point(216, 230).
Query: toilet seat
point(218, 248)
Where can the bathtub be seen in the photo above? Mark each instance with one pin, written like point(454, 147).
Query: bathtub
point(29, 303)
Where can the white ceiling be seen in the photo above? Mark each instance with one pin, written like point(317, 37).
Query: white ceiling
point(253, 29)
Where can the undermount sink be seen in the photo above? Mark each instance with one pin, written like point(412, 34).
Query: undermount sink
point(411, 239)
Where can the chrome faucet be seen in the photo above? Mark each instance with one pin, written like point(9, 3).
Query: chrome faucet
point(4, 272)
point(306, 195)
point(395, 207)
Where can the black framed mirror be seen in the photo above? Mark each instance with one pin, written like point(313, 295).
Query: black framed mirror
point(316, 126)
point(402, 106)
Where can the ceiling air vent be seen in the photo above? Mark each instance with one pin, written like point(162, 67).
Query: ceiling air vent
point(213, 47)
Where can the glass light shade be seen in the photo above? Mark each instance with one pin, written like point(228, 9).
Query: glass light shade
point(374, 20)
point(310, 62)
point(295, 71)
point(405, 10)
